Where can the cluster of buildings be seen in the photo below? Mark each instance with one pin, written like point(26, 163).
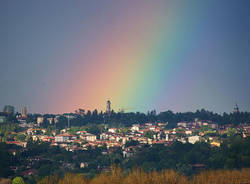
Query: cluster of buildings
point(148, 133)
point(9, 110)
point(130, 140)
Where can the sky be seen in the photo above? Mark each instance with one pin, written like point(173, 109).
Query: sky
point(58, 56)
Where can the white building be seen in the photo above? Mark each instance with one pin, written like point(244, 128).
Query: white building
point(39, 120)
point(88, 137)
point(182, 124)
point(188, 132)
point(193, 139)
point(62, 138)
point(182, 140)
point(91, 137)
point(50, 120)
point(167, 137)
point(56, 119)
point(135, 127)
point(2, 119)
point(113, 130)
point(84, 164)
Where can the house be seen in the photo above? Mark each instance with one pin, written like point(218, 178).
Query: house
point(62, 137)
point(148, 124)
point(138, 134)
point(35, 131)
point(127, 154)
point(149, 141)
point(3, 119)
point(56, 119)
point(28, 172)
point(167, 131)
point(246, 129)
point(111, 136)
point(129, 151)
point(213, 125)
point(135, 127)
point(188, 132)
point(81, 132)
point(167, 137)
point(157, 129)
point(182, 140)
point(182, 124)
point(205, 124)
point(143, 140)
point(113, 130)
point(199, 167)
point(18, 143)
point(39, 120)
point(103, 136)
point(50, 120)
point(152, 128)
point(222, 131)
point(162, 124)
point(88, 137)
point(63, 130)
point(215, 143)
point(159, 142)
point(40, 137)
point(47, 139)
point(193, 139)
point(12, 151)
point(245, 134)
point(124, 140)
point(35, 138)
point(143, 131)
point(83, 164)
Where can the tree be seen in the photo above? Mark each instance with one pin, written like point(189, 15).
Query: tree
point(6, 159)
point(93, 129)
point(131, 143)
point(149, 134)
point(20, 137)
point(18, 180)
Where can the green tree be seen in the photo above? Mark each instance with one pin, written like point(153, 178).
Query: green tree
point(18, 180)
point(149, 134)
point(20, 137)
point(5, 160)
point(131, 143)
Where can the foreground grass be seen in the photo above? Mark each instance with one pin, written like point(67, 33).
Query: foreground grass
point(138, 176)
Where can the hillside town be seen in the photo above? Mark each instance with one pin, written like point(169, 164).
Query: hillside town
point(128, 140)
point(148, 133)
point(111, 137)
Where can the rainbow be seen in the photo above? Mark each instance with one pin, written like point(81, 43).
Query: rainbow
point(133, 62)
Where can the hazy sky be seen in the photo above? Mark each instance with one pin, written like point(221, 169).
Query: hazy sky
point(57, 56)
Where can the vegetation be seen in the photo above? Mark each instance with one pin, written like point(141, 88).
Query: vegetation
point(5, 181)
point(52, 162)
point(6, 160)
point(233, 154)
point(182, 158)
point(92, 120)
point(138, 176)
point(131, 143)
point(6, 129)
point(18, 180)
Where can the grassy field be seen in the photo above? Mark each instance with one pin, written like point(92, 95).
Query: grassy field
point(138, 176)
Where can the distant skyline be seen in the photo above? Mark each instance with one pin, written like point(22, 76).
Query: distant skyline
point(58, 56)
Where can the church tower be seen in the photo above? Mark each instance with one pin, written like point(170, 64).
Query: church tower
point(108, 108)
point(236, 108)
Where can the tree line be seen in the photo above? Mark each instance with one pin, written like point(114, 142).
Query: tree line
point(123, 119)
